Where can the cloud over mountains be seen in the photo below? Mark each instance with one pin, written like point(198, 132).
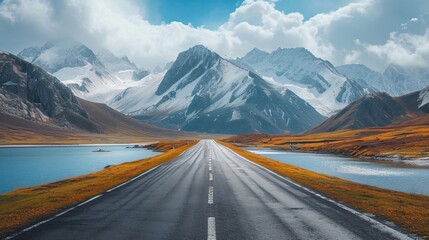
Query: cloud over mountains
point(372, 32)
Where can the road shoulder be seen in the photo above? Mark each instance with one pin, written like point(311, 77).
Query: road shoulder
point(27, 206)
point(408, 211)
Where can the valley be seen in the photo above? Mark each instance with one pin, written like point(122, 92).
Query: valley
point(65, 93)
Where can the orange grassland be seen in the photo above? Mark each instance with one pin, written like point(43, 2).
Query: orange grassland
point(394, 141)
point(27, 205)
point(409, 211)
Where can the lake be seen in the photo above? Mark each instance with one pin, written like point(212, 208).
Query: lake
point(385, 175)
point(31, 166)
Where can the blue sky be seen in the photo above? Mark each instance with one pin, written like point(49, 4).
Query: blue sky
point(213, 13)
point(153, 32)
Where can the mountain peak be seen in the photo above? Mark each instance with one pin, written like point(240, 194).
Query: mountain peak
point(199, 51)
point(298, 52)
point(256, 54)
point(113, 62)
point(63, 43)
point(33, 93)
point(58, 54)
point(196, 59)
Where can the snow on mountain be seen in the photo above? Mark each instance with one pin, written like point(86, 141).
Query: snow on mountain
point(121, 67)
point(30, 93)
point(92, 77)
point(159, 69)
point(378, 110)
point(131, 100)
point(313, 79)
point(206, 93)
point(407, 80)
point(362, 73)
point(395, 80)
point(54, 56)
point(423, 100)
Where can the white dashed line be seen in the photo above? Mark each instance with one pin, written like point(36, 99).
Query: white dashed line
point(211, 229)
point(210, 177)
point(211, 190)
point(210, 168)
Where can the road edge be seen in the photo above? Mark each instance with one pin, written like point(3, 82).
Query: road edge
point(383, 227)
point(33, 223)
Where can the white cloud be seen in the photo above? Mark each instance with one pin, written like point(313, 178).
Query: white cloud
point(260, 24)
point(403, 49)
point(341, 36)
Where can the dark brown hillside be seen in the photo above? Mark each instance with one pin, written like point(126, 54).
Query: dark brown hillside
point(374, 110)
point(114, 122)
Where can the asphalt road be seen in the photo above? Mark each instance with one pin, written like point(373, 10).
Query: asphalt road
point(209, 192)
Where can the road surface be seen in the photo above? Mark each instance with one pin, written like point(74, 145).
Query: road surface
point(210, 192)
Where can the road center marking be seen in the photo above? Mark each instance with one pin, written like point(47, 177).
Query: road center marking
point(210, 168)
point(211, 229)
point(210, 177)
point(211, 190)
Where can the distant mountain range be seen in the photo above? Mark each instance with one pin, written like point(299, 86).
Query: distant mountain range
point(32, 99)
point(395, 80)
point(379, 110)
point(287, 90)
point(91, 76)
point(206, 93)
point(313, 79)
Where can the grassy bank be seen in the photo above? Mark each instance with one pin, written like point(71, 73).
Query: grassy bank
point(169, 145)
point(409, 211)
point(27, 205)
point(31, 138)
point(394, 141)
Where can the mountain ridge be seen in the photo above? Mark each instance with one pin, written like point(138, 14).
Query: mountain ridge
point(33, 100)
point(203, 88)
point(95, 76)
point(376, 110)
point(313, 79)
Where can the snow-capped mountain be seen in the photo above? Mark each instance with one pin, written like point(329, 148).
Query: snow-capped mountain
point(28, 92)
point(206, 93)
point(35, 102)
point(395, 80)
point(407, 80)
point(378, 110)
point(81, 70)
point(362, 73)
point(315, 80)
point(121, 67)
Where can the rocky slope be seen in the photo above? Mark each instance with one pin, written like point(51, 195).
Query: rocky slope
point(91, 76)
point(29, 92)
point(33, 100)
point(377, 110)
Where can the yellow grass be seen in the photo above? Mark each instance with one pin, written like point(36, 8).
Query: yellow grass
point(409, 211)
point(402, 141)
point(8, 137)
point(24, 206)
point(168, 145)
